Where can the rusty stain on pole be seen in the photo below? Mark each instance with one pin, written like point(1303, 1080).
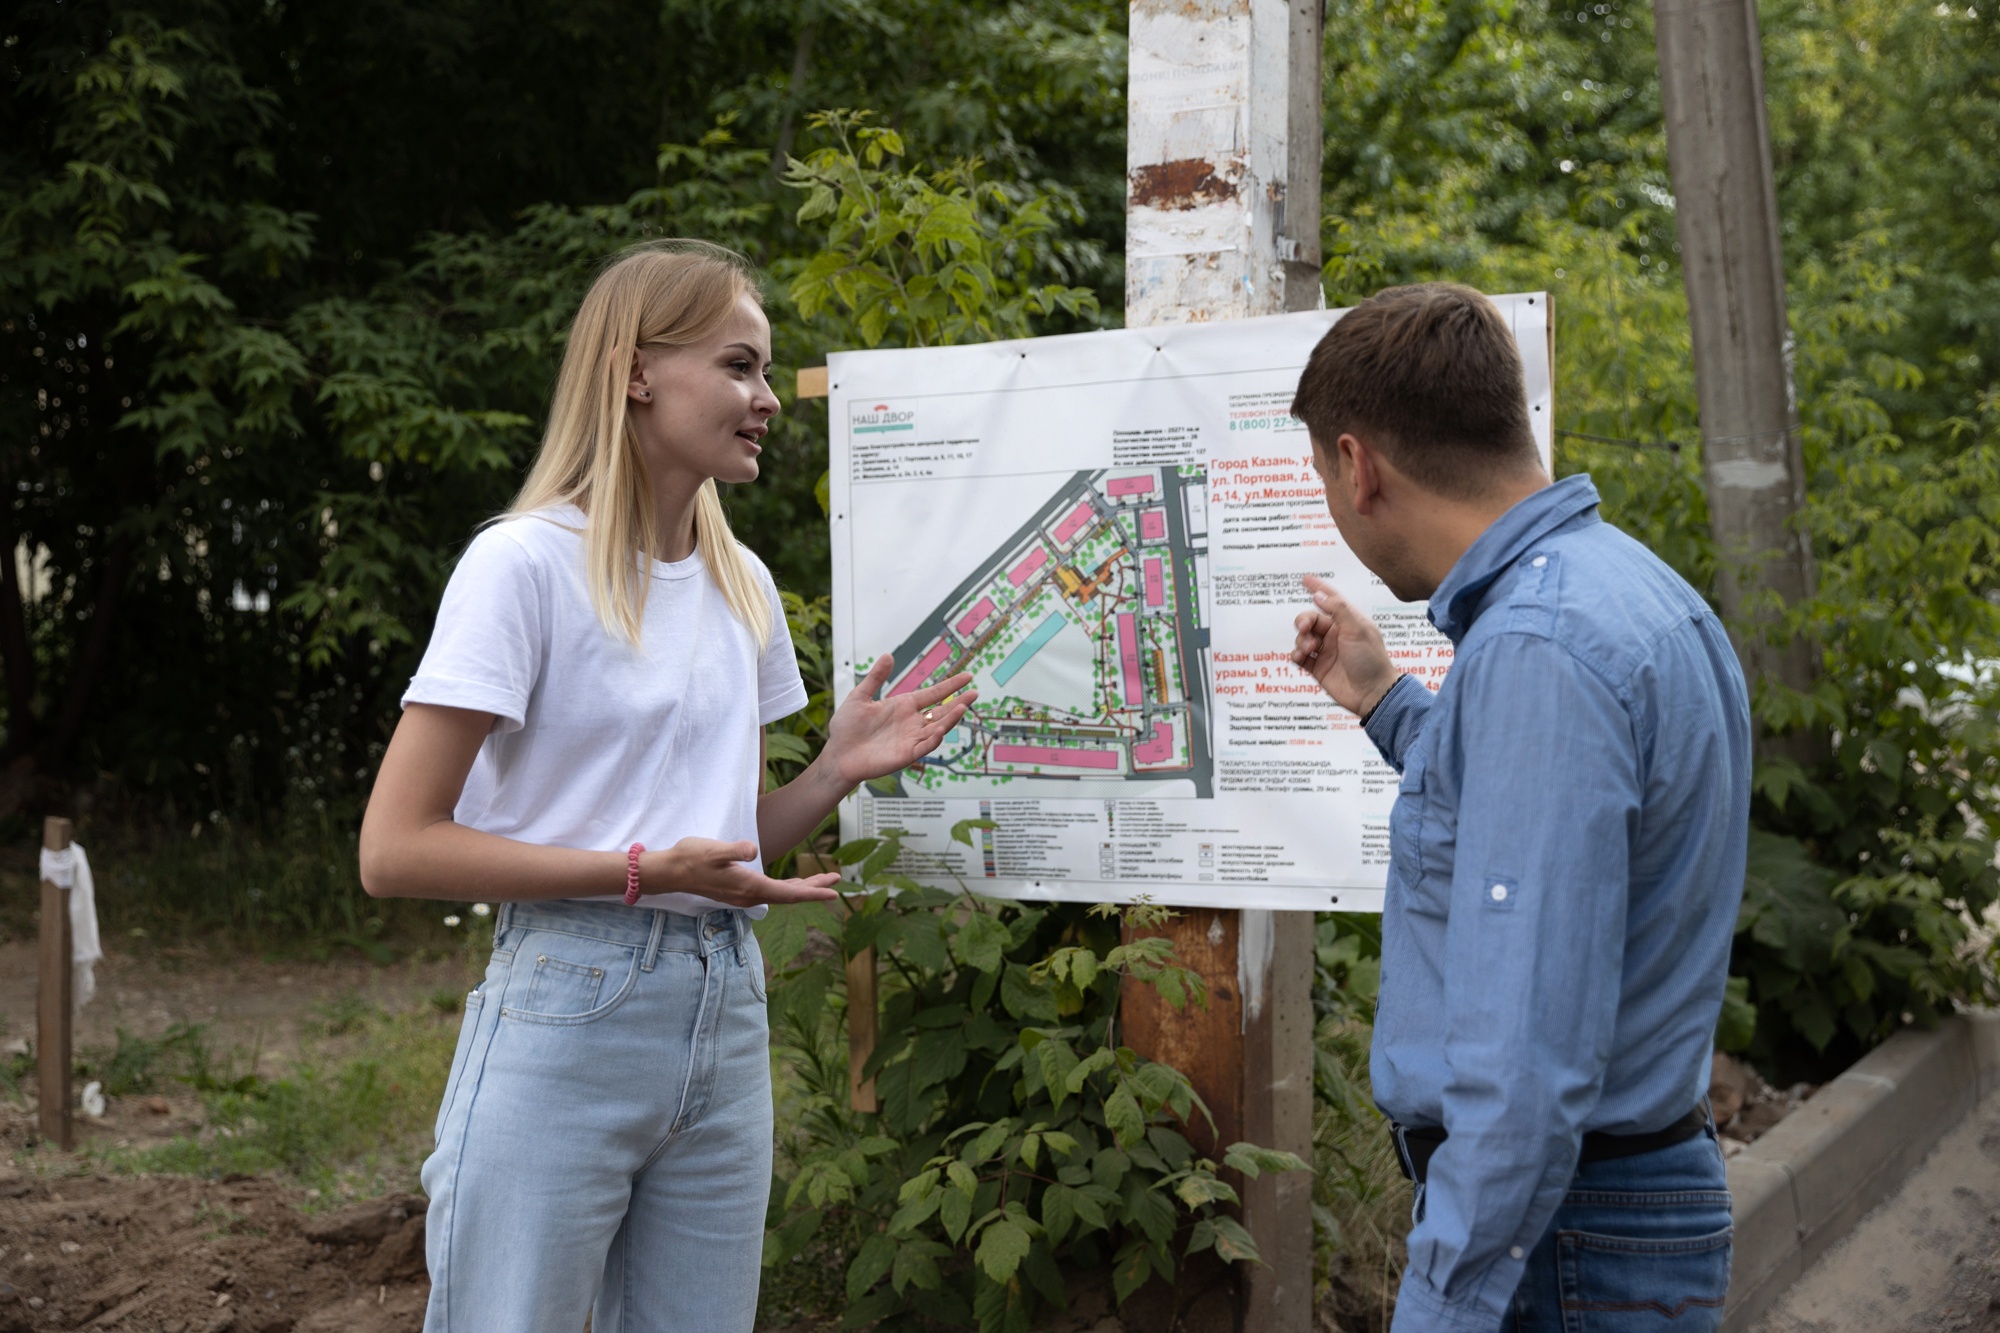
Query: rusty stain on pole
point(1222, 133)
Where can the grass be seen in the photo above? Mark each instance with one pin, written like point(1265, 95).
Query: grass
point(351, 1119)
point(288, 888)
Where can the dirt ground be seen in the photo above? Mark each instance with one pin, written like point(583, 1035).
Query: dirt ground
point(160, 1253)
point(1925, 1260)
point(167, 1254)
point(245, 1002)
point(171, 1254)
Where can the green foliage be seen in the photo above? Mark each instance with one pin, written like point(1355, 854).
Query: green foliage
point(1016, 1138)
point(140, 1064)
point(932, 259)
point(287, 885)
point(1361, 1202)
point(1898, 824)
point(1536, 158)
point(343, 1122)
point(273, 339)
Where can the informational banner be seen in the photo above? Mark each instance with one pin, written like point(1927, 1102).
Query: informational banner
point(1108, 530)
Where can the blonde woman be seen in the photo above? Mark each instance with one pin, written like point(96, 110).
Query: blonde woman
point(588, 719)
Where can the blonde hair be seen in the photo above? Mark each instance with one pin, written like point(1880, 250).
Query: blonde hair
point(670, 293)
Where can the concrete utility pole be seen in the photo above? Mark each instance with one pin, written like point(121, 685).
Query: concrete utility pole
point(1222, 221)
point(1223, 157)
point(1726, 209)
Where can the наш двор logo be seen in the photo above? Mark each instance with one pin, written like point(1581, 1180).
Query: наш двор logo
point(880, 418)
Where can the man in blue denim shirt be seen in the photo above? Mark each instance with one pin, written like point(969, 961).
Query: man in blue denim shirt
point(1567, 847)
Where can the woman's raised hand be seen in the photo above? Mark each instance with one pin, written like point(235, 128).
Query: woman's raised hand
point(870, 737)
point(728, 873)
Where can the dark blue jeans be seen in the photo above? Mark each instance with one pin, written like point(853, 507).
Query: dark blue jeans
point(1639, 1245)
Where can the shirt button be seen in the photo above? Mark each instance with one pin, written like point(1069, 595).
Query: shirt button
point(1537, 562)
point(1499, 893)
point(1514, 1253)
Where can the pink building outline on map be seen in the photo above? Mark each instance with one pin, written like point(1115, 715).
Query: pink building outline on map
point(970, 620)
point(1156, 584)
point(1050, 755)
point(1128, 658)
point(921, 672)
point(1156, 748)
point(1152, 525)
point(1075, 523)
point(1026, 569)
point(1122, 486)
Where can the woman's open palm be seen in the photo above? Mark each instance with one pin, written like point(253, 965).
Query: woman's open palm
point(870, 737)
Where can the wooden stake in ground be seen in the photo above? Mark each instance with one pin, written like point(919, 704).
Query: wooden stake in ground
point(1222, 222)
point(1726, 213)
point(53, 1006)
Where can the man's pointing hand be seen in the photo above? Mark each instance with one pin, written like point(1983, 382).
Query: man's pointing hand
point(1340, 648)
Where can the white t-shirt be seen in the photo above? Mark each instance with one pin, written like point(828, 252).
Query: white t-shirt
point(597, 743)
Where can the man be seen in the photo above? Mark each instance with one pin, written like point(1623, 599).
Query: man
point(1567, 846)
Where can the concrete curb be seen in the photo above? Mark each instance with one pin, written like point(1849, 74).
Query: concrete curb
point(1804, 1185)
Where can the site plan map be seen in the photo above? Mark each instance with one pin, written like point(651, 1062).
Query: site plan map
point(1107, 531)
point(1084, 640)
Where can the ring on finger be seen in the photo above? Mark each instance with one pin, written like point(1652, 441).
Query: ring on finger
point(929, 716)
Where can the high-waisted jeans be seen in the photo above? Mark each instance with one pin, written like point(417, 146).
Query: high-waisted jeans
point(1638, 1245)
point(604, 1146)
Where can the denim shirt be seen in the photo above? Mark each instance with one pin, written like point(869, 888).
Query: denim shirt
point(1567, 855)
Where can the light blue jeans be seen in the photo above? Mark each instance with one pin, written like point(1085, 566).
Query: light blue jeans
point(1639, 1245)
point(604, 1146)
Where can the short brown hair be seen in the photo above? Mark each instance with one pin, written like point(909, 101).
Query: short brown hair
point(1431, 376)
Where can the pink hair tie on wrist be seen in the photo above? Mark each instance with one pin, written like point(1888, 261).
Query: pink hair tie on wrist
point(632, 873)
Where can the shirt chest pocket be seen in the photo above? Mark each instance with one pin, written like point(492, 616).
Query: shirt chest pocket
point(1406, 824)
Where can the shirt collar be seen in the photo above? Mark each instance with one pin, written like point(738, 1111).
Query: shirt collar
point(1456, 603)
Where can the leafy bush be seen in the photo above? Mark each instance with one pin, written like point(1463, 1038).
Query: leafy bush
point(1016, 1137)
point(1361, 1202)
point(935, 258)
point(1873, 865)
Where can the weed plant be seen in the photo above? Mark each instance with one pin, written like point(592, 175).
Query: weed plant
point(345, 1125)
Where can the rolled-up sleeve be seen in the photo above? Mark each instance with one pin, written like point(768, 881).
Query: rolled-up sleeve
point(1535, 928)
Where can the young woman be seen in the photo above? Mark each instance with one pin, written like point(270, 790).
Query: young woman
point(586, 720)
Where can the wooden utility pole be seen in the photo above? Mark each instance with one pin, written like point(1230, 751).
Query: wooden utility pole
point(1222, 222)
point(1726, 210)
point(54, 1000)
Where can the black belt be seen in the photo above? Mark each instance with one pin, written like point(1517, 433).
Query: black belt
point(1416, 1143)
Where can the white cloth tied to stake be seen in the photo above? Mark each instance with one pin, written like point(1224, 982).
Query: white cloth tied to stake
point(70, 869)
